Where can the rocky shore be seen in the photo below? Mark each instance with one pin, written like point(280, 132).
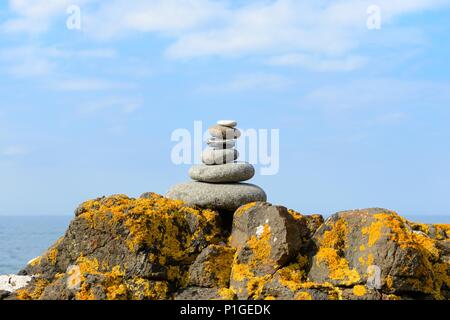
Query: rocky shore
point(157, 248)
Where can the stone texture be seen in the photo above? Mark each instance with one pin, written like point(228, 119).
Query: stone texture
point(226, 173)
point(223, 132)
point(199, 293)
point(352, 246)
point(219, 156)
point(212, 267)
point(222, 197)
point(227, 123)
point(221, 144)
point(155, 248)
point(123, 248)
point(266, 237)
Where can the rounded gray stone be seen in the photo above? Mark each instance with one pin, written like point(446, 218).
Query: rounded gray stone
point(225, 173)
point(213, 156)
point(221, 197)
point(221, 144)
point(227, 123)
point(223, 132)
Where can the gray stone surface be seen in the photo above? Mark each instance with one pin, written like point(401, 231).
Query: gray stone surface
point(212, 156)
point(223, 132)
point(225, 173)
point(226, 197)
point(227, 123)
point(221, 144)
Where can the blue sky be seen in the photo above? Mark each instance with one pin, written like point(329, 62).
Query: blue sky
point(363, 114)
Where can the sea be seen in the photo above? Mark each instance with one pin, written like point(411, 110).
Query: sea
point(23, 238)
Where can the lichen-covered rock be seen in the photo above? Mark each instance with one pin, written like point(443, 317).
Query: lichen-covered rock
point(212, 267)
point(353, 247)
point(153, 248)
point(123, 248)
point(266, 237)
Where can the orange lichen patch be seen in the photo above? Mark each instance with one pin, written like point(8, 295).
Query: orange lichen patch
point(240, 272)
point(337, 266)
point(374, 232)
point(35, 292)
point(270, 298)
point(389, 282)
point(296, 215)
point(219, 267)
point(227, 294)
point(291, 277)
point(243, 209)
point(442, 229)
point(336, 237)
point(359, 290)
point(35, 262)
point(260, 246)
point(255, 286)
point(144, 289)
point(303, 295)
point(370, 259)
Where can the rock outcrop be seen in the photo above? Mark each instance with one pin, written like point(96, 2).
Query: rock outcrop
point(155, 248)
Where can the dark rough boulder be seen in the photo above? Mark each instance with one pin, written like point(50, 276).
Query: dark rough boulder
point(201, 293)
point(155, 248)
point(266, 237)
point(123, 248)
point(212, 267)
point(353, 245)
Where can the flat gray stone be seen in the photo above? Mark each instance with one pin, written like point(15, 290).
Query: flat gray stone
point(223, 132)
point(227, 123)
point(221, 197)
point(224, 173)
point(216, 143)
point(216, 156)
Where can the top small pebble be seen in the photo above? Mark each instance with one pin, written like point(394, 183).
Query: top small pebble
point(227, 123)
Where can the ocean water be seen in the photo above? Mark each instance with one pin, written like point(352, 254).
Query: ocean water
point(24, 238)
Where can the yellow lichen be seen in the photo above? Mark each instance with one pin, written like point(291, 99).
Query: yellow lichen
point(226, 294)
point(303, 295)
point(337, 266)
point(35, 292)
point(243, 209)
point(359, 290)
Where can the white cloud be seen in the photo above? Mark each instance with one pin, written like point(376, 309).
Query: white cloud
point(249, 82)
point(36, 61)
point(380, 93)
point(125, 105)
point(312, 63)
point(86, 84)
point(34, 16)
point(320, 35)
point(16, 151)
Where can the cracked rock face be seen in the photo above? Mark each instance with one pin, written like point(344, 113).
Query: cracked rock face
point(156, 248)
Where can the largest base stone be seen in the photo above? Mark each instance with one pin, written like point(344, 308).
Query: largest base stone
point(225, 197)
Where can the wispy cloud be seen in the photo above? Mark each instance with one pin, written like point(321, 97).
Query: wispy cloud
point(379, 93)
point(16, 151)
point(86, 84)
point(124, 105)
point(249, 82)
point(318, 35)
point(312, 63)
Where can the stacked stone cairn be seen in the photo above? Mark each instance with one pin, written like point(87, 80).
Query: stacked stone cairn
point(218, 182)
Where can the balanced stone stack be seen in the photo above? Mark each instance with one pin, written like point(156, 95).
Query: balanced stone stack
point(219, 180)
